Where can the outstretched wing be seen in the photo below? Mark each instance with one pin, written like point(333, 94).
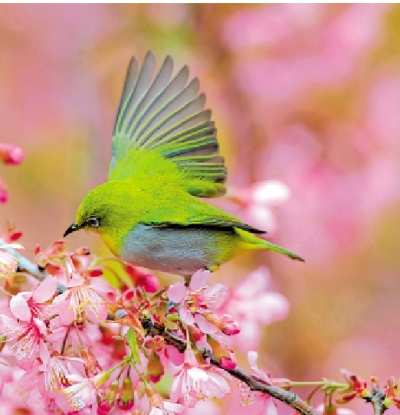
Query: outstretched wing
point(165, 115)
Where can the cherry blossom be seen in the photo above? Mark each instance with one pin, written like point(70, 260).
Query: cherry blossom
point(194, 382)
point(323, 410)
point(26, 305)
point(257, 201)
point(80, 302)
point(268, 405)
point(198, 302)
point(252, 305)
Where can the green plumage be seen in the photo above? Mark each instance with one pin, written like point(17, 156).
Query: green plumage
point(165, 155)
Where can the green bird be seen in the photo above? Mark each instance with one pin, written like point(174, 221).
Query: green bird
point(164, 158)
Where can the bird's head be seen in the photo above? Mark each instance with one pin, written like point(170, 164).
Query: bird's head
point(102, 209)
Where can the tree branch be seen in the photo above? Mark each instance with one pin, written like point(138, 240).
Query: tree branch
point(287, 397)
point(377, 400)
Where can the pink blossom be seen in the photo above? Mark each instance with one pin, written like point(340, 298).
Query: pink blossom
point(152, 403)
point(167, 408)
point(252, 305)
point(338, 411)
point(26, 305)
point(194, 382)
point(55, 372)
point(198, 302)
point(80, 301)
point(205, 407)
point(27, 338)
point(256, 203)
point(83, 391)
point(249, 397)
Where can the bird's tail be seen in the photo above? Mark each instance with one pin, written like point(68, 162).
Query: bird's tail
point(252, 242)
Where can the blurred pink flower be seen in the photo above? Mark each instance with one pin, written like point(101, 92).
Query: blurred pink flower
point(303, 49)
point(3, 192)
point(334, 410)
point(194, 382)
point(252, 305)
point(256, 203)
point(11, 154)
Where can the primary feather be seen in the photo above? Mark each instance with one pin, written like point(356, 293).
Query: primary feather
point(162, 117)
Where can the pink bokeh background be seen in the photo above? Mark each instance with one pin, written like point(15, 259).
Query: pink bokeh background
point(307, 95)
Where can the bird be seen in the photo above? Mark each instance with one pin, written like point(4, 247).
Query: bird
point(165, 160)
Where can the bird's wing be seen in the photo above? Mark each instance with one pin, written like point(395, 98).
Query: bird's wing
point(196, 214)
point(204, 222)
point(164, 114)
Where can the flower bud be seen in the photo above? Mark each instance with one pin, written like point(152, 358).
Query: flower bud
point(90, 361)
point(224, 322)
point(109, 396)
point(155, 368)
point(126, 395)
point(223, 354)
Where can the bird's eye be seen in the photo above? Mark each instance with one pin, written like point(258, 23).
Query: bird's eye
point(92, 222)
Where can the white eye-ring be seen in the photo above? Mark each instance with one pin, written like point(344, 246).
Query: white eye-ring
point(92, 222)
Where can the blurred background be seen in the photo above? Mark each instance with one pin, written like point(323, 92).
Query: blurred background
point(306, 95)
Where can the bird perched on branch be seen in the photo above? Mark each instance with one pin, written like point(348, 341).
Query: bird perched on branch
point(164, 158)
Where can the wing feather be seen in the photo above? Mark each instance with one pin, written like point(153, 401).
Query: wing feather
point(164, 114)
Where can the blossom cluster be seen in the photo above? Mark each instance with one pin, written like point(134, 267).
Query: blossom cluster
point(78, 340)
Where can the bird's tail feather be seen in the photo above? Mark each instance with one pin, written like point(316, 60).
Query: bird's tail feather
point(252, 242)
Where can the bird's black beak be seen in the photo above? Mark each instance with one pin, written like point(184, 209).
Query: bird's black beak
point(74, 227)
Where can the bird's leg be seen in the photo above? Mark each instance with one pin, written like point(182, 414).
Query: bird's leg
point(211, 268)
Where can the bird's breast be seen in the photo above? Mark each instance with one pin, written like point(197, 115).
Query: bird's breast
point(177, 250)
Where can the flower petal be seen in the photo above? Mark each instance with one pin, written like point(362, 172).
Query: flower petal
point(199, 279)
point(186, 316)
point(177, 292)
point(270, 307)
point(45, 290)
point(252, 357)
point(20, 308)
point(256, 282)
point(204, 325)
